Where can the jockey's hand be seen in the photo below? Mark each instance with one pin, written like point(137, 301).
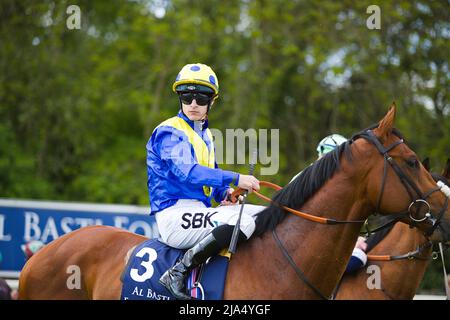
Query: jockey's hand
point(361, 243)
point(248, 182)
point(227, 200)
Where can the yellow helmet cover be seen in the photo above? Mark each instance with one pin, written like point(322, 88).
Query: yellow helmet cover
point(197, 73)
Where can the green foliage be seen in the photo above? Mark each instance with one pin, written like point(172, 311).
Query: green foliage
point(114, 176)
point(78, 106)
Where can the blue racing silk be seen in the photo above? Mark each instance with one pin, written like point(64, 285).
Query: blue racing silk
point(181, 164)
point(357, 261)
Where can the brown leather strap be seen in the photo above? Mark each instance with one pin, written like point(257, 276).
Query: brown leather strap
point(239, 191)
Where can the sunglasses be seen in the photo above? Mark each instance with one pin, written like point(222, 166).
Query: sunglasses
point(202, 99)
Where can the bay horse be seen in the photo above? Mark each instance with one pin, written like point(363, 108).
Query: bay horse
point(288, 257)
point(409, 253)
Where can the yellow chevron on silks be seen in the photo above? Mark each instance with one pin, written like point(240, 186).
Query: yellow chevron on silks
point(204, 156)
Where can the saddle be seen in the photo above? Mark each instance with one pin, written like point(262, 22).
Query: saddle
point(151, 258)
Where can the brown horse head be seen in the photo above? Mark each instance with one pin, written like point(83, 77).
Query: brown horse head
point(401, 253)
point(419, 202)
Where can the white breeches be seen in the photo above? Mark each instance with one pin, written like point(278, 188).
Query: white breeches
point(189, 221)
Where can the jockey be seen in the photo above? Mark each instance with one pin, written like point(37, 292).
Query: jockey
point(183, 178)
point(329, 143)
point(359, 256)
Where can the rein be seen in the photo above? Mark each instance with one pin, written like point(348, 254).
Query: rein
point(409, 255)
point(307, 216)
point(298, 213)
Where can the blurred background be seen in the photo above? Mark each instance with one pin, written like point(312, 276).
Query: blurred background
point(77, 106)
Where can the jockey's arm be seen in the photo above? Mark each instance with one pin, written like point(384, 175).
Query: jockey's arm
point(359, 256)
point(178, 153)
point(220, 194)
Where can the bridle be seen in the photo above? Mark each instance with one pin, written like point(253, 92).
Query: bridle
point(410, 186)
point(417, 199)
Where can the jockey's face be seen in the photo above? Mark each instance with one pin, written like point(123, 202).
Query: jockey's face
point(194, 111)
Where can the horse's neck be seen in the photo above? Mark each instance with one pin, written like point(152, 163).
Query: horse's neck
point(400, 279)
point(322, 251)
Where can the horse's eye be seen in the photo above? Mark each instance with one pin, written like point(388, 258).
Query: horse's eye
point(413, 163)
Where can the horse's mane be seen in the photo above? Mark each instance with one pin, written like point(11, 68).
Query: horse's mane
point(298, 191)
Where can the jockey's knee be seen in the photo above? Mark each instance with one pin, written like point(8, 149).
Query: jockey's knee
point(224, 233)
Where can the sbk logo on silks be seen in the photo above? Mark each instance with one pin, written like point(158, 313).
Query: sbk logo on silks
point(197, 220)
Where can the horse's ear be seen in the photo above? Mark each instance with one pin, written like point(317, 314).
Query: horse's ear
point(386, 124)
point(446, 172)
point(426, 163)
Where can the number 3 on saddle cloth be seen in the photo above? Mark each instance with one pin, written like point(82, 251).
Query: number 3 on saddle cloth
point(150, 259)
